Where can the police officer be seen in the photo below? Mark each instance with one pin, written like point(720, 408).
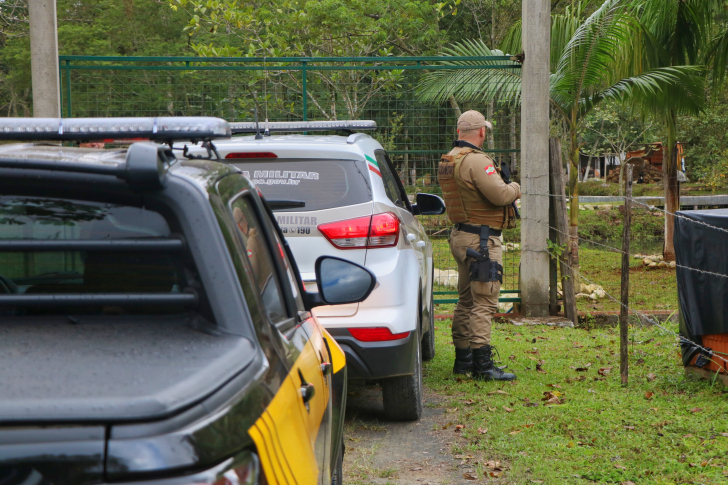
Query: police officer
point(479, 204)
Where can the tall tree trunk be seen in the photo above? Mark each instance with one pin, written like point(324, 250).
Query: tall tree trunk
point(454, 106)
point(573, 248)
point(671, 186)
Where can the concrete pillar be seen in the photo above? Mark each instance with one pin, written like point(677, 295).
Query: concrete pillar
point(44, 59)
point(535, 157)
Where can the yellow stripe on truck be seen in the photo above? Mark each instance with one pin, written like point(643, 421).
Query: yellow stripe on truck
point(285, 434)
point(338, 358)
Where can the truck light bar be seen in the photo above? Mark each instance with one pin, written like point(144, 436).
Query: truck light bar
point(161, 129)
point(146, 166)
point(298, 126)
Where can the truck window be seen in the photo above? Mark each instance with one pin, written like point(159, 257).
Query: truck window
point(259, 257)
point(37, 271)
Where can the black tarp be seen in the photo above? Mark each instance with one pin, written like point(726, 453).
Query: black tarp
point(703, 297)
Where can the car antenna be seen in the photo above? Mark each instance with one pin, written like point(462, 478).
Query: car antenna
point(258, 135)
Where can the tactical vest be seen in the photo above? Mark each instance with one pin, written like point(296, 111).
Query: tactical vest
point(464, 203)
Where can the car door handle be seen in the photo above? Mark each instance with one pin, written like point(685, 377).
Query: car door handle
point(421, 244)
point(411, 237)
point(326, 368)
point(307, 392)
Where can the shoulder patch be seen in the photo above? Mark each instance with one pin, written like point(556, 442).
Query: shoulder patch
point(490, 170)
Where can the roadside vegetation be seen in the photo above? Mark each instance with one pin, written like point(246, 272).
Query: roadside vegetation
point(568, 420)
point(597, 187)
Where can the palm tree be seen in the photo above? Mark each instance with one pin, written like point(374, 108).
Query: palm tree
point(679, 32)
point(592, 60)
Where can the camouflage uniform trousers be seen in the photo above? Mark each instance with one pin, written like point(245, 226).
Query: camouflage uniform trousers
point(478, 301)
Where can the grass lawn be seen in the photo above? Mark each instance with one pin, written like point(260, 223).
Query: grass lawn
point(661, 429)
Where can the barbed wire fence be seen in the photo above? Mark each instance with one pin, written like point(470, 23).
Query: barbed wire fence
point(717, 361)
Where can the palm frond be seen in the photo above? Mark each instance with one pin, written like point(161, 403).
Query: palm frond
point(680, 89)
point(590, 59)
point(512, 42)
point(717, 57)
point(563, 27)
point(477, 84)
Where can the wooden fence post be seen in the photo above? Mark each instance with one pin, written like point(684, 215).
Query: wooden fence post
point(558, 200)
point(624, 311)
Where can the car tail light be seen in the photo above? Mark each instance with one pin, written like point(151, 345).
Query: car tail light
point(377, 231)
point(251, 155)
point(384, 230)
point(376, 334)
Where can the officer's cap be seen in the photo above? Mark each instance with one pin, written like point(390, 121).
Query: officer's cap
point(473, 120)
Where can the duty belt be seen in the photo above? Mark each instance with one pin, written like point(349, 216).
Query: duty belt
point(476, 229)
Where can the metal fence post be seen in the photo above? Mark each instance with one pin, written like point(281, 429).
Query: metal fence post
point(68, 88)
point(305, 92)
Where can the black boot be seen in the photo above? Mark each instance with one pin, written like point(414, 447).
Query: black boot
point(463, 361)
point(485, 369)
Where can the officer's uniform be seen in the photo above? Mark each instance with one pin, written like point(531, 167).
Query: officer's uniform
point(475, 196)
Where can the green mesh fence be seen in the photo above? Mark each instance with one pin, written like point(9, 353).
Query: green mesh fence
point(414, 133)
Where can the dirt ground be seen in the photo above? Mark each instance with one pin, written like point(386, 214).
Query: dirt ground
point(422, 452)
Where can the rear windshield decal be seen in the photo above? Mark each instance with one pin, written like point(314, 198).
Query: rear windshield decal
point(373, 165)
point(321, 184)
point(280, 177)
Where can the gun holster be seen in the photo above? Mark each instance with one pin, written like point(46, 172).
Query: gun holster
point(483, 268)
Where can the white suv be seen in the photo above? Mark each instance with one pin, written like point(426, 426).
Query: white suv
point(340, 196)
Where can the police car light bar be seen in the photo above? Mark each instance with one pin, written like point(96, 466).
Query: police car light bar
point(298, 126)
point(161, 129)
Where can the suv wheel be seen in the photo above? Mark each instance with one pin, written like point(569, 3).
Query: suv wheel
point(428, 341)
point(402, 395)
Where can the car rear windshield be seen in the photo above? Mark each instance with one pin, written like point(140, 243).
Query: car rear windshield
point(34, 268)
point(321, 184)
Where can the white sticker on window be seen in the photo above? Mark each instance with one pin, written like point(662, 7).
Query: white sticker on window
point(280, 177)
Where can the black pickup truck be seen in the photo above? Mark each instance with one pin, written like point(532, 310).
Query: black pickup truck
point(153, 326)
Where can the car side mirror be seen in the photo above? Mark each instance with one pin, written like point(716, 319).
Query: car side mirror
point(428, 205)
point(339, 282)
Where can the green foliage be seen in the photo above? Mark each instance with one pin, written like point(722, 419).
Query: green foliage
point(328, 28)
point(86, 27)
point(706, 139)
point(313, 28)
point(395, 128)
point(615, 129)
point(475, 85)
point(718, 177)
